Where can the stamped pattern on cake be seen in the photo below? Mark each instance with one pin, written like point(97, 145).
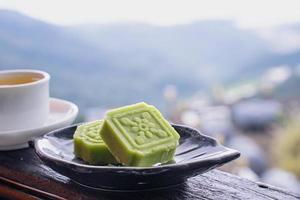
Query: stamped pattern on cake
point(143, 128)
point(91, 133)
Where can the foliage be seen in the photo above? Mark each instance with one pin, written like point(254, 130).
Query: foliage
point(287, 148)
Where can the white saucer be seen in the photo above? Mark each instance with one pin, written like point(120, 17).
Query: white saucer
point(62, 113)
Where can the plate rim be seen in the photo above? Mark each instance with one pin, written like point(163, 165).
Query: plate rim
point(228, 155)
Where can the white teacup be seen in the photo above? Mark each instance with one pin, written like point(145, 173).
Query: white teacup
point(24, 99)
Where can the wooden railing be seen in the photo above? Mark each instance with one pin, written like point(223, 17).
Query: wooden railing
point(24, 176)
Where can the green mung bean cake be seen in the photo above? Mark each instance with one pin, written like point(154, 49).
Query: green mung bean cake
point(138, 135)
point(89, 146)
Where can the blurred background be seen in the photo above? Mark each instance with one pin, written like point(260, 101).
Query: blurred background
point(228, 68)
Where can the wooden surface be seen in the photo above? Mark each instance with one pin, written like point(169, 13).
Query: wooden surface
point(24, 176)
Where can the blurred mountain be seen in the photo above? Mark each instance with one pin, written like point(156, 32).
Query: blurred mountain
point(114, 64)
point(284, 43)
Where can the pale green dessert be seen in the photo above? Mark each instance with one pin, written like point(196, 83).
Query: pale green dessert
point(138, 135)
point(89, 146)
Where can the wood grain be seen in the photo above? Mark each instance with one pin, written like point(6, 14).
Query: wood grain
point(7, 192)
point(27, 174)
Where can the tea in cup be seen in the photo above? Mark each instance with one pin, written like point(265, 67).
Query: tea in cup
point(24, 99)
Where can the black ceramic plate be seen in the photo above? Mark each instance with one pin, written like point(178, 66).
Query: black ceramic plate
point(195, 154)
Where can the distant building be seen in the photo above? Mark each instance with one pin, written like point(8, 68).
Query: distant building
point(256, 113)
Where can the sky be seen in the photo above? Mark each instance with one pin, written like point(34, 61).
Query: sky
point(247, 14)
